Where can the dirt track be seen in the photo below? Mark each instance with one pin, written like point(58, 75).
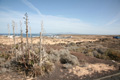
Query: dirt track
point(115, 76)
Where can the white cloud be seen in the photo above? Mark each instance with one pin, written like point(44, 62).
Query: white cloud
point(57, 23)
point(114, 20)
point(31, 6)
point(52, 24)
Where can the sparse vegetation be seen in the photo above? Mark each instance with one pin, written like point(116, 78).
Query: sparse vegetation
point(25, 59)
point(38, 60)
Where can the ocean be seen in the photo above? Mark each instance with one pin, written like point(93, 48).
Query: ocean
point(33, 35)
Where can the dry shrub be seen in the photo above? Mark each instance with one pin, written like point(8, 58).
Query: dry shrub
point(90, 54)
point(54, 56)
point(71, 59)
point(47, 67)
point(37, 50)
point(113, 54)
point(109, 54)
point(30, 66)
point(72, 44)
point(5, 55)
point(95, 53)
point(63, 56)
point(101, 50)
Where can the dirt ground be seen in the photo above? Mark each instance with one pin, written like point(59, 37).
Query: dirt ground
point(90, 67)
point(47, 40)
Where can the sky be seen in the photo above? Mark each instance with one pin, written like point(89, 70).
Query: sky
point(62, 16)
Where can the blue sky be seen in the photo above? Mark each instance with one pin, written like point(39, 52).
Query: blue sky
point(62, 16)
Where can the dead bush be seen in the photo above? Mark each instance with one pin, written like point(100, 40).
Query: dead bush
point(90, 54)
point(69, 59)
point(5, 55)
point(53, 58)
point(47, 67)
point(101, 50)
point(72, 44)
point(54, 55)
point(113, 54)
point(63, 56)
point(30, 66)
point(95, 53)
point(64, 52)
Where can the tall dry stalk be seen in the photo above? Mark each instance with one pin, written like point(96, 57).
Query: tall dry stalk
point(9, 32)
point(31, 43)
point(26, 22)
point(13, 24)
point(16, 32)
point(17, 38)
point(31, 39)
point(27, 43)
point(40, 54)
point(21, 37)
point(9, 37)
point(40, 50)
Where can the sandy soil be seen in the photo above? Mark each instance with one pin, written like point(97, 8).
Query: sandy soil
point(89, 69)
point(47, 40)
